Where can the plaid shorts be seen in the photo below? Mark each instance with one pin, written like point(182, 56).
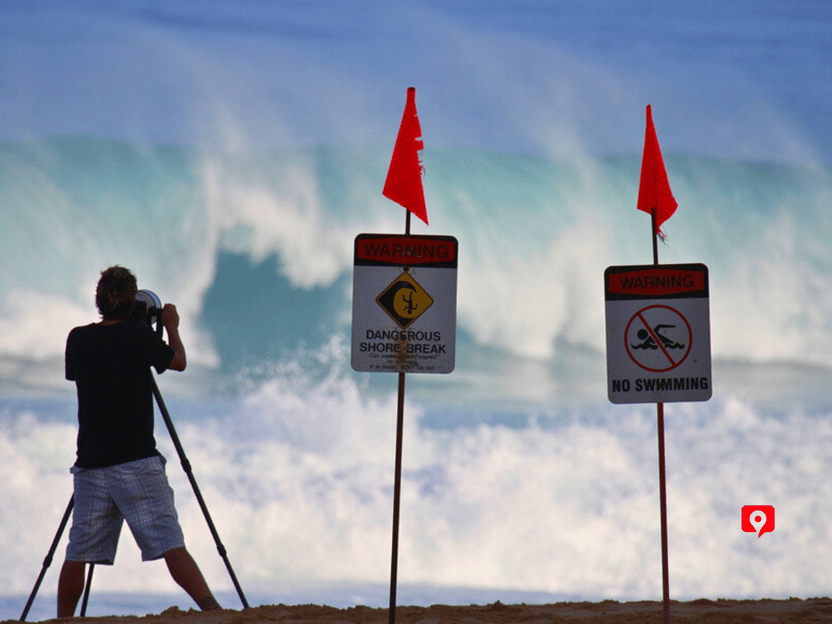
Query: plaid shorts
point(136, 491)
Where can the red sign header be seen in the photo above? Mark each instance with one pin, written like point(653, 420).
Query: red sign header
point(656, 281)
point(401, 250)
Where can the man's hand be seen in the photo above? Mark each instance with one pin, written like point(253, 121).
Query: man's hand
point(170, 319)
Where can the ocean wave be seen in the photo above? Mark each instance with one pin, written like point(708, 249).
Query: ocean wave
point(229, 237)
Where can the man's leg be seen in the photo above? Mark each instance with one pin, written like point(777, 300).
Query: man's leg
point(70, 587)
point(184, 571)
point(93, 536)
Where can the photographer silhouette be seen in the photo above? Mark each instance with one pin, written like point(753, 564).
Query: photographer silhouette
point(119, 474)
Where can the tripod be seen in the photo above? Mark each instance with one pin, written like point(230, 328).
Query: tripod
point(186, 466)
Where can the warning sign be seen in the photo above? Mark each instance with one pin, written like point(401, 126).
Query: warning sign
point(404, 303)
point(658, 333)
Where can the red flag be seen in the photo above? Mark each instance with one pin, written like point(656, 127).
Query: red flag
point(654, 189)
point(404, 178)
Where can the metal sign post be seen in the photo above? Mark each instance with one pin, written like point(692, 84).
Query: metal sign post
point(403, 321)
point(658, 349)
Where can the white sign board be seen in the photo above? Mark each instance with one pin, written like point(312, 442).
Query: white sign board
point(658, 333)
point(404, 303)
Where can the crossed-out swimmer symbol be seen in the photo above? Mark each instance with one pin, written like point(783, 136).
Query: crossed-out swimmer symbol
point(648, 343)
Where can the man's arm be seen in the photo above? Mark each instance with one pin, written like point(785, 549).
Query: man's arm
point(170, 319)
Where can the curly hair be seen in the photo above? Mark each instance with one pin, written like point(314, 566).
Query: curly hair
point(115, 295)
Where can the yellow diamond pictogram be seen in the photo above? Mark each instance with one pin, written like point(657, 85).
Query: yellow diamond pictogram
point(404, 300)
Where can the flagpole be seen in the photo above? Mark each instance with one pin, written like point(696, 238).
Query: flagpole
point(654, 195)
point(663, 507)
point(654, 219)
point(397, 490)
point(397, 482)
point(662, 471)
point(404, 186)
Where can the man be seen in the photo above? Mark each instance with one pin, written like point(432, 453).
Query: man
point(119, 475)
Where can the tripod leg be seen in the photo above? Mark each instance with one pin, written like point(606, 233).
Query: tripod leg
point(48, 560)
point(87, 591)
point(186, 466)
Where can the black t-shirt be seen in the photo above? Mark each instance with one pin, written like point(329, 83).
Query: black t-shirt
point(110, 365)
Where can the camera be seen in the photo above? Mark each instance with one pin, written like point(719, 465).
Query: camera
point(148, 310)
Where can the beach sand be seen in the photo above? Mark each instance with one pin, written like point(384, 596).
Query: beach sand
point(700, 611)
